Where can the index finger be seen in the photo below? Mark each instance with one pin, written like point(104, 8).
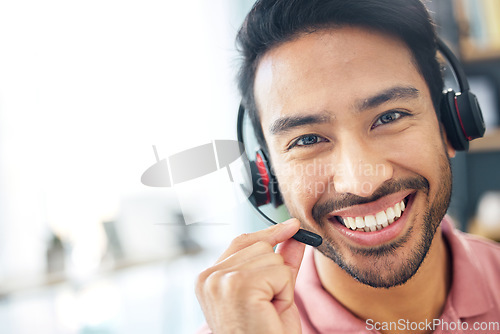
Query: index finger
point(272, 235)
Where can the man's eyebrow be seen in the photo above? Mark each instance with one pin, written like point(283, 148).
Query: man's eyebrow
point(391, 94)
point(286, 123)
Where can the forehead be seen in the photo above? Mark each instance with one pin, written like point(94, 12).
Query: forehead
point(331, 67)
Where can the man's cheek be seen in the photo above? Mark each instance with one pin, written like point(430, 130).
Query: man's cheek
point(317, 188)
point(301, 195)
point(303, 179)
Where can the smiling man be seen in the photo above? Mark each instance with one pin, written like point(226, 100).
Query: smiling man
point(344, 96)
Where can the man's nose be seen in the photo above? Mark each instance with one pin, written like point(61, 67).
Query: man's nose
point(360, 169)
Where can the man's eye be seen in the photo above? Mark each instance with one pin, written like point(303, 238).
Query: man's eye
point(388, 118)
point(307, 140)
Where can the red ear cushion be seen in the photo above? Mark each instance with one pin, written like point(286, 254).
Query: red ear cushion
point(450, 119)
point(264, 174)
point(460, 120)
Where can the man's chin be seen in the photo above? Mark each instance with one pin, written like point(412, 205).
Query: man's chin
point(381, 266)
point(386, 272)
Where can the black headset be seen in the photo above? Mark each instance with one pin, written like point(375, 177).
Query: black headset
point(460, 111)
point(460, 115)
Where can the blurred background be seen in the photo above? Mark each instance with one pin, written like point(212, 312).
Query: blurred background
point(86, 89)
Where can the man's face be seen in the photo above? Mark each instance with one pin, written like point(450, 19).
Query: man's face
point(352, 134)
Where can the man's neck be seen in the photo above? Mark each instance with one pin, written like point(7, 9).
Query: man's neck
point(421, 298)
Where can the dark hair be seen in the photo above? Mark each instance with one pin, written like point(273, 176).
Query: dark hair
point(273, 22)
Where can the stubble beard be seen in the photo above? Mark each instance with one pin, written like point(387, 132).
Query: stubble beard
point(391, 264)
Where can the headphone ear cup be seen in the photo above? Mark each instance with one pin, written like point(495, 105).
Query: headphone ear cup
point(470, 115)
point(260, 189)
point(265, 185)
point(450, 118)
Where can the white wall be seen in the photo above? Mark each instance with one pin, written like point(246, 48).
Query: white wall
point(86, 87)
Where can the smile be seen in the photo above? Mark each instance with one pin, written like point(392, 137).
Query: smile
point(377, 222)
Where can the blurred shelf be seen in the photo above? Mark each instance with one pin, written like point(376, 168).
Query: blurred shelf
point(489, 143)
point(475, 227)
point(479, 29)
point(472, 53)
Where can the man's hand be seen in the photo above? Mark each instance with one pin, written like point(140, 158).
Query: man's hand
point(250, 289)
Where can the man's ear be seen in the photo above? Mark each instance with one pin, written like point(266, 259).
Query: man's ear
point(449, 148)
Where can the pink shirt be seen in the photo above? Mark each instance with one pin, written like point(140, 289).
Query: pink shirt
point(473, 301)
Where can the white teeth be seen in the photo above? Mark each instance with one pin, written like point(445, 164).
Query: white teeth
point(397, 210)
point(382, 219)
point(372, 223)
point(390, 215)
point(351, 223)
point(360, 223)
